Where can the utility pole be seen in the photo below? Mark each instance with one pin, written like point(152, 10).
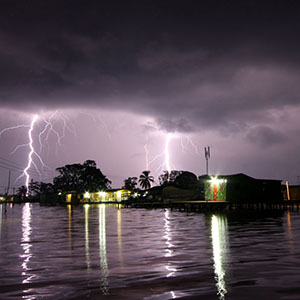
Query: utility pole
point(207, 157)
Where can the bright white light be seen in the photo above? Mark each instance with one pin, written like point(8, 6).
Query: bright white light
point(215, 180)
point(104, 285)
point(102, 195)
point(30, 153)
point(26, 245)
point(87, 246)
point(87, 195)
point(219, 232)
point(168, 237)
point(119, 195)
point(167, 154)
point(146, 156)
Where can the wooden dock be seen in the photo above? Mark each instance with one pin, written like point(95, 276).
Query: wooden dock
point(199, 206)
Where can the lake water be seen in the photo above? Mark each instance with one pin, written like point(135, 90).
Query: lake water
point(102, 252)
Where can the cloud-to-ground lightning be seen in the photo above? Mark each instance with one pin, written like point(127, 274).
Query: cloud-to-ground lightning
point(187, 145)
point(46, 124)
point(30, 153)
point(167, 153)
point(146, 156)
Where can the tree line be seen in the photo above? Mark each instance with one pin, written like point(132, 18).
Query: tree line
point(86, 177)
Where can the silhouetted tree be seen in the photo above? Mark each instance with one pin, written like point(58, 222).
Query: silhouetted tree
point(168, 177)
point(163, 178)
point(130, 183)
point(187, 180)
point(46, 188)
point(145, 180)
point(33, 188)
point(80, 178)
point(22, 192)
point(92, 178)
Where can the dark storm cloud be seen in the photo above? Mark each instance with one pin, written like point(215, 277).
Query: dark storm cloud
point(265, 136)
point(188, 64)
point(180, 125)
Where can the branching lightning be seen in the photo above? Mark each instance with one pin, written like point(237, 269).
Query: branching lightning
point(189, 141)
point(187, 145)
point(165, 165)
point(47, 127)
point(31, 151)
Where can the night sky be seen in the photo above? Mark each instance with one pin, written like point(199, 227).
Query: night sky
point(115, 78)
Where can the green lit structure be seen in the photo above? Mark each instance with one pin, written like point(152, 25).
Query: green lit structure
point(239, 188)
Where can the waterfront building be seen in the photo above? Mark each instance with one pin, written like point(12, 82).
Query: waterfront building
point(111, 195)
point(240, 188)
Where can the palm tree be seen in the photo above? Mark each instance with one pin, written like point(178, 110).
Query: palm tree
point(145, 180)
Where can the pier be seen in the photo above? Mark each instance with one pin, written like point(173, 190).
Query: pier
point(200, 206)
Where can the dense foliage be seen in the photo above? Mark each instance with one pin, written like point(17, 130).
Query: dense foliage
point(130, 183)
point(182, 179)
point(81, 178)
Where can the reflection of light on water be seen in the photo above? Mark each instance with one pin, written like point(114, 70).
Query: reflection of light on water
point(0, 220)
point(219, 233)
point(25, 242)
point(70, 225)
point(173, 295)
point(168, 237)
point(102, 250)
point(290, 232)
point(119, 220)
point(87, 247)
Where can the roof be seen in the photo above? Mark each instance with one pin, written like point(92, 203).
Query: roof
point(236, 176)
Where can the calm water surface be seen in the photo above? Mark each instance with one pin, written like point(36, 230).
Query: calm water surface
point(102, 252)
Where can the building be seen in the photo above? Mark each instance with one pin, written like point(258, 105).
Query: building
point(240, 188)
point(291, 193)
point(112, 195)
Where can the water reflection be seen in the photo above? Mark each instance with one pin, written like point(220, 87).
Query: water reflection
point(26, 245)
point(290, 233)
point(102, 250)
point(169, 252)
point(0, 220)
point(70, 226)
point(119, 220)
point(219, 234)
point(87, 245)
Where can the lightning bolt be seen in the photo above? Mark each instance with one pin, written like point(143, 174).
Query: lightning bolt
point(30, 153)
point(187, 145)
point(167, 153)
point(164, 155)
point(48, 128)
point(13, 127)
point(146, 156)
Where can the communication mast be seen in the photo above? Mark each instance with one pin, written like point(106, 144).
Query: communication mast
point(207, 157)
